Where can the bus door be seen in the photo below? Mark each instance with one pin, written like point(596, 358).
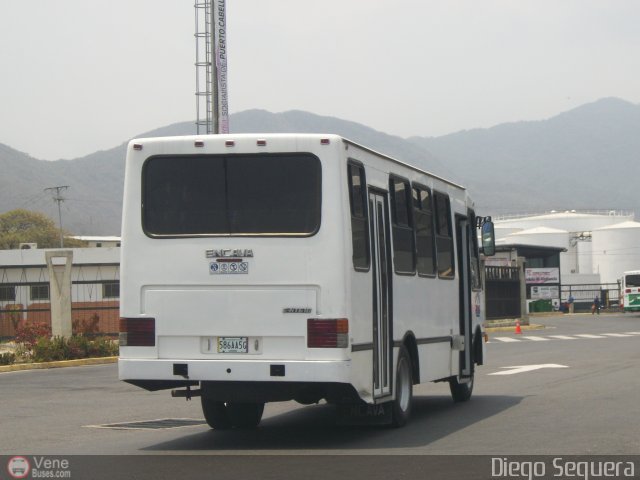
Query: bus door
point(380, 261)
point(463, 242)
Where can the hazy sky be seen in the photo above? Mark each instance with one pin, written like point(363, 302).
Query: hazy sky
point(82, 75)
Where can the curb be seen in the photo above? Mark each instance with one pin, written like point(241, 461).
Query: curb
point(59, 364)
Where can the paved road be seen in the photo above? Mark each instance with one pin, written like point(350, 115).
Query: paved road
point(587, 407)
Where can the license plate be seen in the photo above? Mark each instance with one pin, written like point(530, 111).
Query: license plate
point(233, 344)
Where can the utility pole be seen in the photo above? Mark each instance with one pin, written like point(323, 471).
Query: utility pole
point(57, 197)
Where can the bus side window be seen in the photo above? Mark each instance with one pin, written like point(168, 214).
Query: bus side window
point(359, 222)
point(444, 236)
point(403, 238)
point(425, 242)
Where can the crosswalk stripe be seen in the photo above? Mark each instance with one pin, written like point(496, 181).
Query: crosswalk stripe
point(534, 338)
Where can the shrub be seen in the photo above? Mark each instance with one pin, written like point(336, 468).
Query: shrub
point(77, 346)
point(7, 358)
point(29, 333)
point(22, 353)
point(102, 347)
point(50, 349)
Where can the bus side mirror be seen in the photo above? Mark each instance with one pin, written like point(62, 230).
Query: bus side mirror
point(488, 239)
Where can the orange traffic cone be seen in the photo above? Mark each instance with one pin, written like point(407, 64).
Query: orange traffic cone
point(518, 329)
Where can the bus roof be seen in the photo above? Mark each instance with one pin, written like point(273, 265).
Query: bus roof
point(399, 162)
point(266, 136)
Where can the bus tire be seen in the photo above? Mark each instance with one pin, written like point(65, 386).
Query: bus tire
point(245, 415)
point(216, 414)
point(401, 406)
point(461, 392)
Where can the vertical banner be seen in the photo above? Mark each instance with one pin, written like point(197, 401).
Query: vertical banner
point(220, 93)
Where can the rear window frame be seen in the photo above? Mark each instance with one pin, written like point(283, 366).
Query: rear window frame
point(162, 236)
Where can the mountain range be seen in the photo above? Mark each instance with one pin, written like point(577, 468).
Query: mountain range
point(585, 159)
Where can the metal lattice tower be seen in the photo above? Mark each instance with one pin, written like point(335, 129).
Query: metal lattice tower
point(204, 68)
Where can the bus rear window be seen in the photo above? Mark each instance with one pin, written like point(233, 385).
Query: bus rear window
point(266, 194)
point(632, 280)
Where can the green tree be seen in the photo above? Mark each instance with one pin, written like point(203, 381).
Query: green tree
point(24, 226)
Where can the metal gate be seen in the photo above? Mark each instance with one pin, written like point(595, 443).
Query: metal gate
point(502, 287)
point(584, 295)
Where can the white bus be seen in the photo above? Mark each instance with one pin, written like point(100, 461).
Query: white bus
point(295, 267)
point(630, 291)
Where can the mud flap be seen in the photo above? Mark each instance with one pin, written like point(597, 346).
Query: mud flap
point(364, 414)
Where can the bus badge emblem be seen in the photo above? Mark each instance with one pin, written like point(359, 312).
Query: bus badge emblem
point(229, 252)
point(296, 310)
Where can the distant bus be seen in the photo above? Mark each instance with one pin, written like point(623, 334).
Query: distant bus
point(630, 291)
point(296, 267)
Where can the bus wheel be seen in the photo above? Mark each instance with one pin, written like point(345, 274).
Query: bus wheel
point(404, 389)
point(245, 415)
point(216, 414)
point(461, 392)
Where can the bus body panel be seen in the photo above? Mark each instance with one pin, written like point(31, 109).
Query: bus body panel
point(169, 280)
point(437, 318)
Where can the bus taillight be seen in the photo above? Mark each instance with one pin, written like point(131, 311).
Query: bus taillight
point(327, 333)
point(137, 332)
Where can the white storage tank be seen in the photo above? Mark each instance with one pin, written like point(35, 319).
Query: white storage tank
point(502, 232)
point(540, 236)
point(585, 257)
point(569, 220)
point(616, 249)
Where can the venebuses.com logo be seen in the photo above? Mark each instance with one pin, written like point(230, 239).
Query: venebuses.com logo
point(18, 467)
point(38, 467)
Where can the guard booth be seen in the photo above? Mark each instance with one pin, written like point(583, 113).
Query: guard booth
point(513, 292)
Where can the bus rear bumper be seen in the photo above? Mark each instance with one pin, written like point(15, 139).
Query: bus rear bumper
point(235, 370)
point(246, 381)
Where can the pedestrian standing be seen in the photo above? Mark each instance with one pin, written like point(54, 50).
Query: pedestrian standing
point(596, 306)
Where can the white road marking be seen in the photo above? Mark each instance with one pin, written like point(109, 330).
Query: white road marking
point(527, 368)
point(576, 336)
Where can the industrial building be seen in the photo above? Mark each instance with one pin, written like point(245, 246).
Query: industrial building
point(26, 296)
point(583, 249)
